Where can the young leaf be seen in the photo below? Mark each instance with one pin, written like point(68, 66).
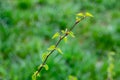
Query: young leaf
point(39, 66)
point(56, 35)
point(44, 55)
point(77, 19)
point(80, 14)
point(66, 30)
point(38, 75)
point(59, 50)
point(46, 67)
point(63, 31)
point(51, 47)
point(34, 76)
point(88, 14)
point(72, 77)
point(71, 34)
point(65, 39)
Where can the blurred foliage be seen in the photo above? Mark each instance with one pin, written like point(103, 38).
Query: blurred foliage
point(26, 28)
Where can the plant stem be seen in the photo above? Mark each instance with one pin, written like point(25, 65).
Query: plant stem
point(58, 42)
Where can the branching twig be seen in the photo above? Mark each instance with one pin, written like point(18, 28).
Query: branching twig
point(58, 42)
point(80, 17)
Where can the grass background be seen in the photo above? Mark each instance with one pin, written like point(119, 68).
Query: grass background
point(26, 28)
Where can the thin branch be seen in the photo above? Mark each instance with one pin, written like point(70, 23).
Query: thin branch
point(76, 23)
point(58, 42)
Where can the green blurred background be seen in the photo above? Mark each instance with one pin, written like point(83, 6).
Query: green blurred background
point(26, 28)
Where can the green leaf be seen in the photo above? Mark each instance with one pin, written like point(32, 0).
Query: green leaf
point(72, 77)
point(88, 14)
point(39, 66)
point(59, 50)
point(34, 76)
point(51, 47)
point(80, 14)
point(44, 55)
point(63, 31)
point(65, 39)
point(71, 34)
point(56, 35)
point(46, 67)
point(77, 18)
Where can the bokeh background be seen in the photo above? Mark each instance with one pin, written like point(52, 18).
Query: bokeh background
point(26, 28)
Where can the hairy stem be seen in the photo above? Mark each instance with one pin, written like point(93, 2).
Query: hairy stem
point(58, 42)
